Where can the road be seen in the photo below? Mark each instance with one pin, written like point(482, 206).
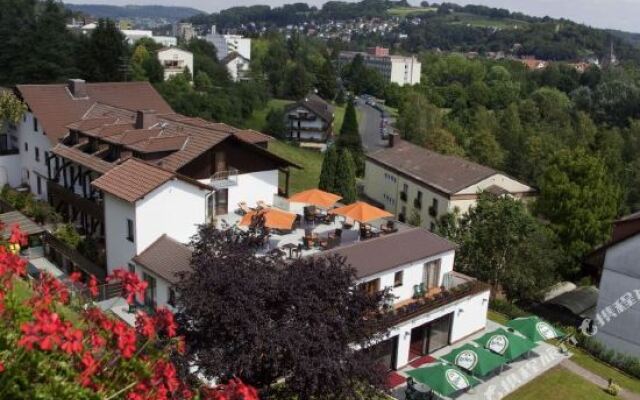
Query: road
point(369, 125)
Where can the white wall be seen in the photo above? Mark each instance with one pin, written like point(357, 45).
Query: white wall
point(252, 187)
point(35, 139)
point(175, 208)
point(10, 170)
point(119, 249)
point(184, 59)
point(162, 287)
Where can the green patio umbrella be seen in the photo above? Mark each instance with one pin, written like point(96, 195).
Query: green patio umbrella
point(534, 328)
point(476, 360)
point(507, 344)
point(444, 379)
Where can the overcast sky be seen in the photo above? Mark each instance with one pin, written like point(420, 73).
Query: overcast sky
point(616, 14)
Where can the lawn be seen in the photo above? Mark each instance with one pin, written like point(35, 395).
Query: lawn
point(259, 117)
point(486, 22)
point(586, 361)
point(404, 11)
point(497, 317)
point(310, 160)
point(559, 384)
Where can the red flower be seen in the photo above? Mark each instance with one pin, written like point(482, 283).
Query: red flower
point(17, 237)
point(1, 302)
point(89, 368)
point(1, 367)
point(96, 340)
point(75, 277)
point(164, 377)
point(98, 318)
point(45, 331)
point(49, 288)
point(71, 340)
point(145, 325)
point(165, 321)
point(131, 283)
point(125, 339)
point(140, 392)
point(93, 286)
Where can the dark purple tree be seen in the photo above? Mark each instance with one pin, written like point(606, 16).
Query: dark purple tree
point(263, 318)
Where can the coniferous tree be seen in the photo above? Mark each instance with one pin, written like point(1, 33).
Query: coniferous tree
point(275, 125)
point(350, 139)
point(326, 81)
point(345, 183)
point(105, 54)
point(329, 168)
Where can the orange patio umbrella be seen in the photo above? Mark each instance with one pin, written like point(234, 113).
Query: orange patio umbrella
point(273, 218)
point(316, 197)
point(361, 212)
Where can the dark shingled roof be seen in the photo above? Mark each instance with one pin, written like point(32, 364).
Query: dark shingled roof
point(448, 174)
point(86, 160)
point(165, 257)
point(315, 104)
point(55, 107)
point(390, 251)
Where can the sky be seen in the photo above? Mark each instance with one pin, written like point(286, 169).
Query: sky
point(614, 14)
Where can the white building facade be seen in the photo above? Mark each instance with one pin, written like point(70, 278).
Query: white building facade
point(175, 61)
point(396, 69)
point(227, 44)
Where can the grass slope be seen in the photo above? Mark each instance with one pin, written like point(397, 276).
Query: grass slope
point(310, 160)
point(404, 11)
point(559, 384)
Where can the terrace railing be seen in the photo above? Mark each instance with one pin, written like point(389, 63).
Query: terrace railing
point(225, 179)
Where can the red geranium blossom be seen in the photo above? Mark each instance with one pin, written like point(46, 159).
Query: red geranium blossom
point(125, 339)
point(44, 331)
point(93, 286)
point(71, 340)
point(131, 283)
point(75, 277)
point(17, 237)
point(165, 321)
point(145, 325)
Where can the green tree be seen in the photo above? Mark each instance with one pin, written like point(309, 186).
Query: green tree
point(345, 183)
point(104, 54)
point(326, 81)
point(350, 139)
point(503, 244)
point(139, 56)
point(275, 123)
point(153, 69)
point(329, 170)
point(298, 81)
point(483, 147)
point(415, 218)
point(11, 109)
point(580, 200)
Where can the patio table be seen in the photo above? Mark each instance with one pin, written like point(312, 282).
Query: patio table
point(290, 247)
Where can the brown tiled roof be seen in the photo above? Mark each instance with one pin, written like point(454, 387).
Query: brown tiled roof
point(251, 136)
point(447, 174)
point(132, 180)
point(160, 144)
point(390, 251)
point(55, 107)
point(165, 257)
point(79, 157)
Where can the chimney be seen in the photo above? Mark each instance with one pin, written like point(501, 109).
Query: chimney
point(78, 88)
point(393, 137)
point(145, 119)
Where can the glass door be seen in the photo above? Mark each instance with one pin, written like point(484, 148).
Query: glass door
point(431, 274)
point(439, 333)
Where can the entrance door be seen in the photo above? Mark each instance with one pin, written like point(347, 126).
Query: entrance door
point(439, 333)
point(418, 344)
point(222, 201)
point(384, 353)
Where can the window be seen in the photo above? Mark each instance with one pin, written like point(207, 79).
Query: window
point(46, 156)
point(37, 154)
point(432, 227)
point(130, 229)
point(397, 278)
point(35, 124)
point(132, 268)
point(38, 184)
point(26, 146)
point(372, 287)
point(171, 297)
point(150, 292)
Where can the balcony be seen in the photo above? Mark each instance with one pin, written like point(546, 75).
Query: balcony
point(456, 287)
point(225, 179)
point(403, 196)
point(417, 203)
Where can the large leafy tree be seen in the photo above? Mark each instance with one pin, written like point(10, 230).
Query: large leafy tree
point(326, 81)
point(503, 244)
point(261, 320)
point(580, 200)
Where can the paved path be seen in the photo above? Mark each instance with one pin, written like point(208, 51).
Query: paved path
point(369, 126)
point(596, 379)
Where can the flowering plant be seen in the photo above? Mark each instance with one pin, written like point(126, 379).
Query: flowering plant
point(56, 345)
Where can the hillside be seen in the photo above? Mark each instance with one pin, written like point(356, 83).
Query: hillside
point(134, 11)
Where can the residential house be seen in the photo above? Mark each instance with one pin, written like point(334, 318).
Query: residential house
point(237, 65)
point(226, 44)
point(456, 306)
point(175, 61)
point(393, 68)
point(617, 315)
point(310, 120)
point(408, 179)
point(27, 146)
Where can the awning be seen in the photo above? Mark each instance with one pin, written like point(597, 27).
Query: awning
point(534, 328)
point(475, 360)
point(579, 301)
point(507, 344)
point(361, 212)
point(444, 379)
point(27, 226)
point(269, 218)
